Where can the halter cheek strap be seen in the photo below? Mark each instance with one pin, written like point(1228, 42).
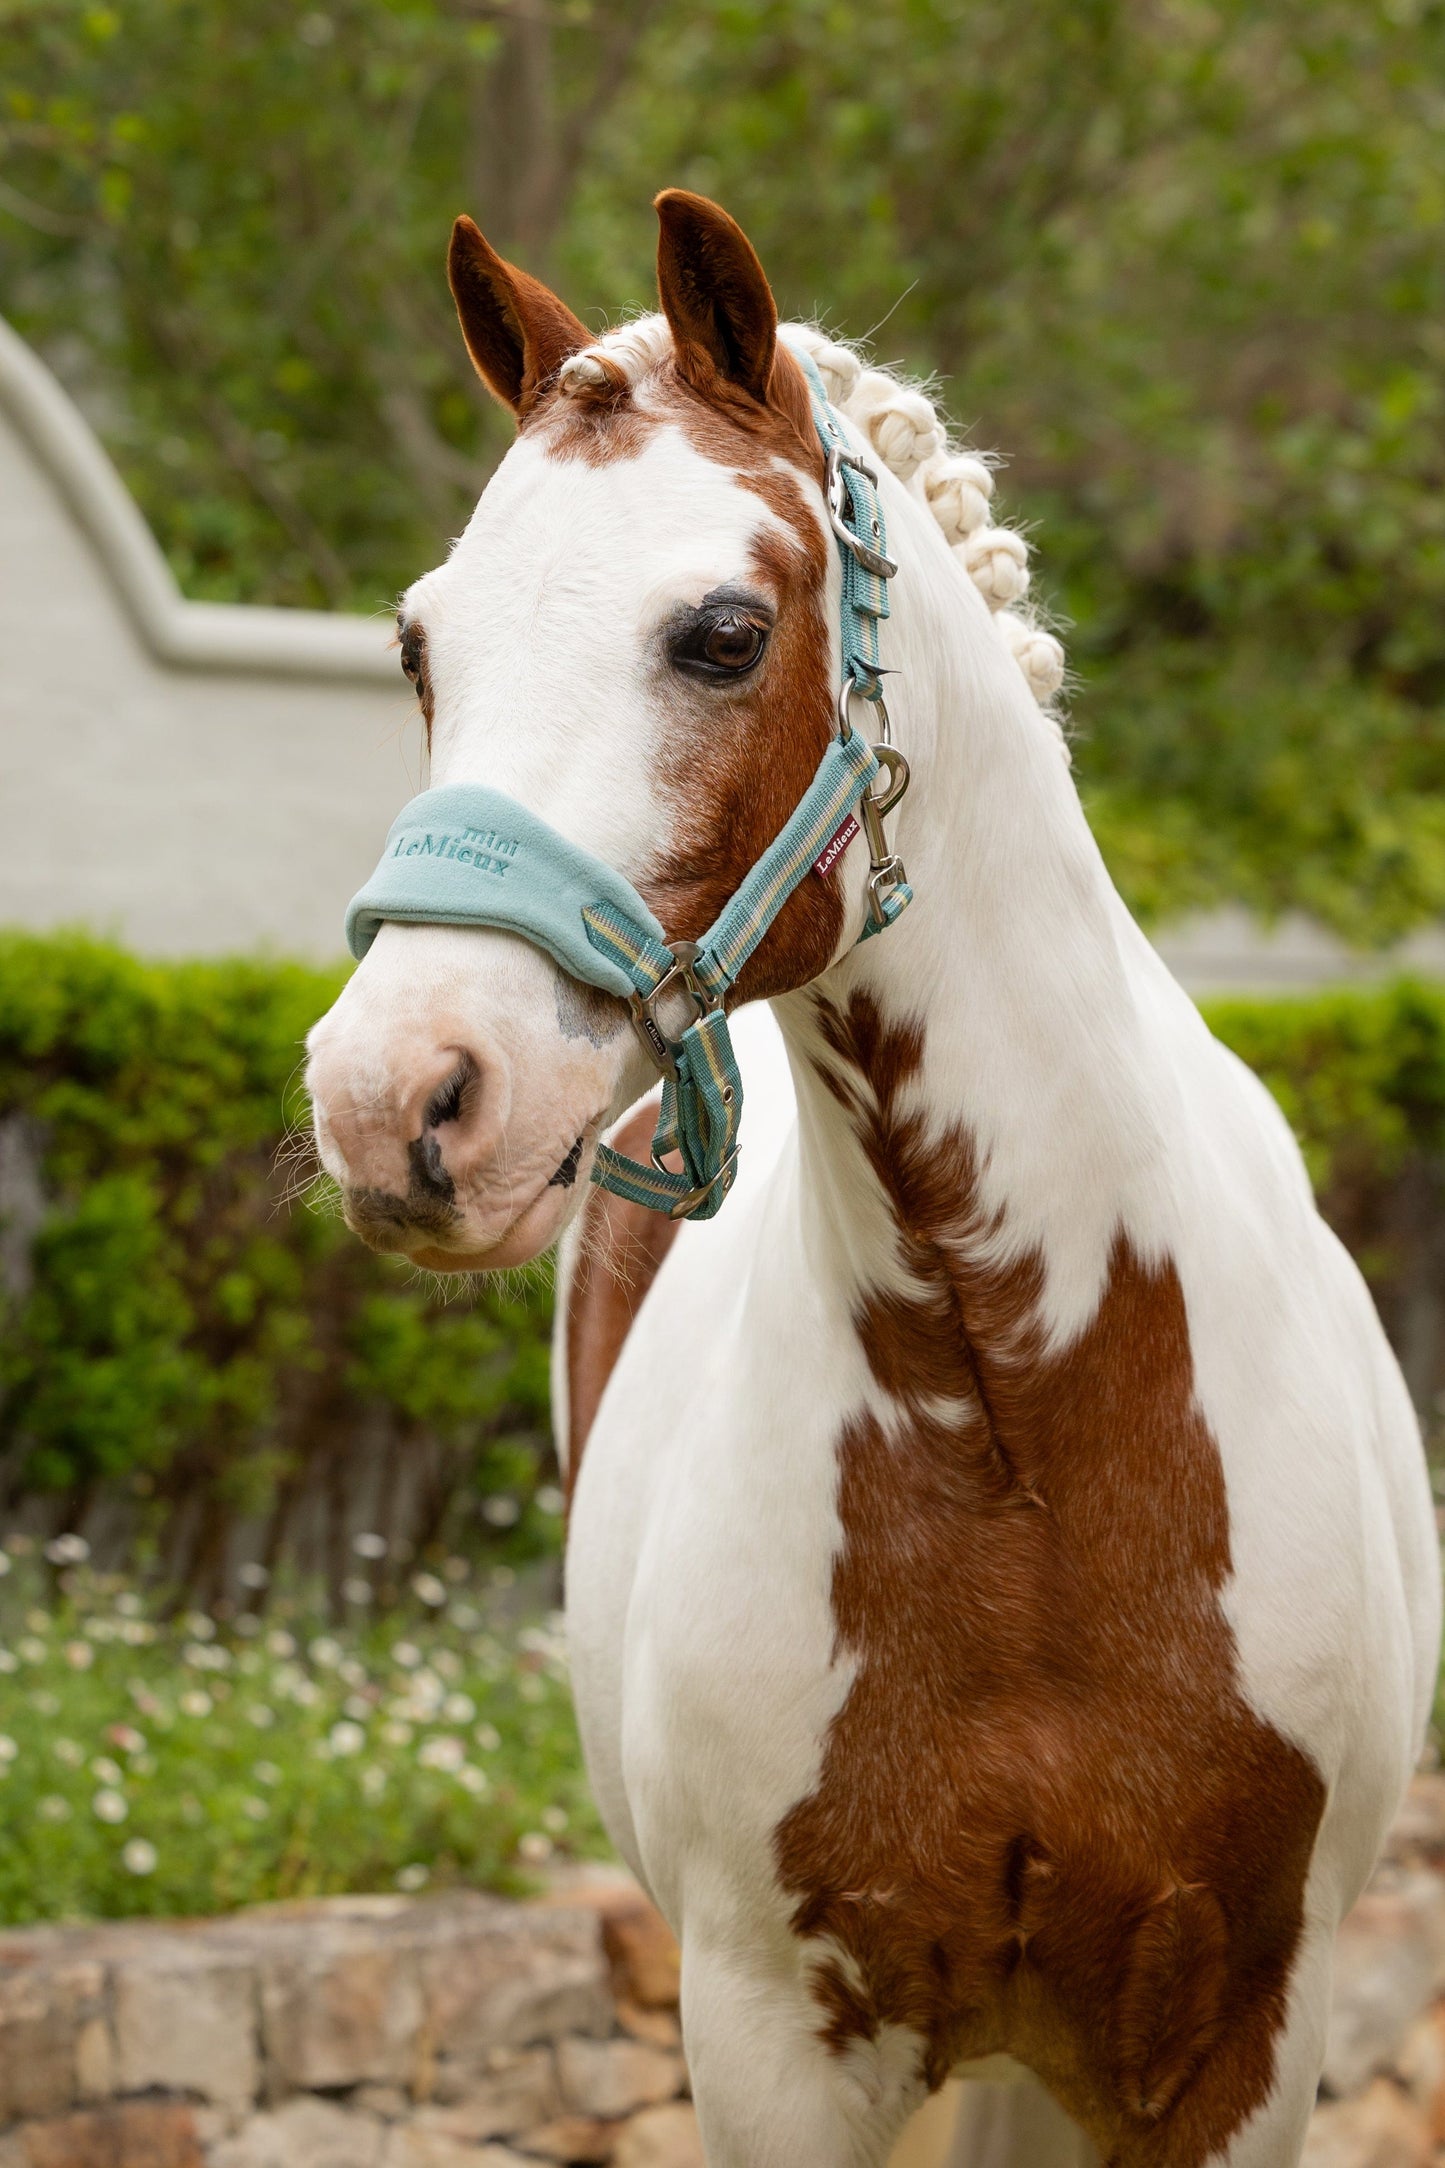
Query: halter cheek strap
point(465, 855)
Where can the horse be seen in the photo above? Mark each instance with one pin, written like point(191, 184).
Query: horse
point(1001, 1578)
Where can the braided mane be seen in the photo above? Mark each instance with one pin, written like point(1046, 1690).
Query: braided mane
point(910, 438)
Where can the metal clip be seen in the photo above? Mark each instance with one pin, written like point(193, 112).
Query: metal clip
point(681, 979)
point(885, 867)
point(839, 503)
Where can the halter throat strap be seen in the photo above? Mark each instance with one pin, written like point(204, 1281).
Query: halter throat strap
point(465, 855)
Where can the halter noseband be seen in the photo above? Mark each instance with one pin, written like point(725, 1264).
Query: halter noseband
point(464, 855)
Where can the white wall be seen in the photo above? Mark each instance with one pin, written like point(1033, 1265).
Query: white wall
point(190, 778)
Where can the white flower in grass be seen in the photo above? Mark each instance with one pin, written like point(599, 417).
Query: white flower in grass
point(549, 1499)
point(108, 1806)
point(413, 1878)
point(474, 1780)
point(459, 1708)
point(530, 1687)
point(32, 1648)
point(8, 1748)
point(38, 1621)
point(262, 1717)
point(266, 1772)
point(280, 1643)
point(448, 1663)
point(443, 1752)
point(139, 1856)
point(554, 1820)
point(9, 1661)
point(253, 1574)
point(426, 1690)
point(396, 1733)
point(465, 1617)
point(488, 1738)
point(407, 1654)
point(45, 1704)
point(352, 1673)
point(108, 1771)
point(127, 1603)
point(357, 1707)
point(502, 1577)
point(534, 1848)
point(248, 1626)
point(305, 1693)
point(369, 1545)
point(68, 1751)
point(4, 1564)
point(355, 1590)
point(346, 1738)
point(53, 1808)
point(255, 1810)
point(501, 1512)
point(326, 1652)
point(79, 1655)
point(429, 1589)
point(137, 1633)
point(195, 1702)
point(67, 1551)
point(373, 1782)
point(199, 1626)
point(127, 1738)
point(143, 1765)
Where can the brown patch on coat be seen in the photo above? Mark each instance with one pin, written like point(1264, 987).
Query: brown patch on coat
point(736, 762)
point(1048, 1821)
point(622, 1245)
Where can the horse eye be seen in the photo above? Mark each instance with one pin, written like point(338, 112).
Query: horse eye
point(732, 643)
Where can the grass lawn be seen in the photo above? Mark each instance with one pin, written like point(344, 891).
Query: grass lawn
point(154, 1764)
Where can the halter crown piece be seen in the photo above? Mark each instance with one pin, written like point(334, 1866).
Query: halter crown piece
point(464, 855)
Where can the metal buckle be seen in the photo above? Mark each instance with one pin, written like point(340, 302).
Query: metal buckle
point(682, 978)
point(688, 1203)
point(872, 560)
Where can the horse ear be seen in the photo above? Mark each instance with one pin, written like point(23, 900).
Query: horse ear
point(714, 294)
point(517, 332)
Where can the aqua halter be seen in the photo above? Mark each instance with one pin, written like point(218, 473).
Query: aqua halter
point(464, 855)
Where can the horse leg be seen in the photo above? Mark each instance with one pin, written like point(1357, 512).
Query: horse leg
point(769, 2091)
point(1015, 2124)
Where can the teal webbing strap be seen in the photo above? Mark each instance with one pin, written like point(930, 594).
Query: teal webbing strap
point(865, 592)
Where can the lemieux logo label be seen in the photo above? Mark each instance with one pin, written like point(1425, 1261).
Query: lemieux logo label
point(483, 848)
point(833, 851)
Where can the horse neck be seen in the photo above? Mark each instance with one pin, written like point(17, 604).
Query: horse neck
point(997, 1029)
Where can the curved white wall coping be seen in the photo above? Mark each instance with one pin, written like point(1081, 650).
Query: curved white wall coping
point(186, 635)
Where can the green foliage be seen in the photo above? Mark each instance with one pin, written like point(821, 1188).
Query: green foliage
point(1182, 264)
point(187, 1331)
point(154, 1765)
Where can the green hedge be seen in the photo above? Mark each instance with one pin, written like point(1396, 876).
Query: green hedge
point(191, 1338)
point(180, 1340)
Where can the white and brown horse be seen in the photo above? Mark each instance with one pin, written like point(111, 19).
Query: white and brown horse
point(1002, 1585)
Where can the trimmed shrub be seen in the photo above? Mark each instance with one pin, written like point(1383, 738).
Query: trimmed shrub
point(186, 1350)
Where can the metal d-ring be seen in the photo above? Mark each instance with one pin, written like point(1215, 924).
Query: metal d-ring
point(682, 978)
point(846, 691)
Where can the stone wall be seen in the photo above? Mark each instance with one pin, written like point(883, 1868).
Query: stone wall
point(465, 2031)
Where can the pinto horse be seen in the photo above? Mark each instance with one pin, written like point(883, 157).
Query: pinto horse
point(1001, 1578)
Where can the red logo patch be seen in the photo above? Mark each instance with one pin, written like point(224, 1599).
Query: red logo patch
point(831, 852)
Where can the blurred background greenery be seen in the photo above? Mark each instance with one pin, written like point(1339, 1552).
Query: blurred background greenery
point(1179, 260)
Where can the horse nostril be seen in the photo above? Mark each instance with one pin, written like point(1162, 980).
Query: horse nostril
point(447, 1100)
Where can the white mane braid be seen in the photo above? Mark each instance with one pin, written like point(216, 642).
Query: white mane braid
point(909, 436)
